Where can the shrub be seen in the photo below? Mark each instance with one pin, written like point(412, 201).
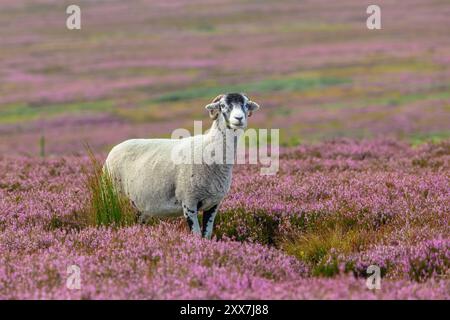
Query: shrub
point(257, 226)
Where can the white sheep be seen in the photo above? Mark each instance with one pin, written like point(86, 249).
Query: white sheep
point(144, 169)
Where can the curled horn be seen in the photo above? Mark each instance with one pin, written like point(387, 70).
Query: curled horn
point(214, 106)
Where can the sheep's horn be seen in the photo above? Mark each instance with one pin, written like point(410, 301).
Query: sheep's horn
point(216, 99)
point(215, 103)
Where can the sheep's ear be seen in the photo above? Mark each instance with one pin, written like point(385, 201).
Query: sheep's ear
point(214, 107)
point(252, 106)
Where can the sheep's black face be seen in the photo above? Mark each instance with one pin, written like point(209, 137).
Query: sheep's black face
point(235, 108)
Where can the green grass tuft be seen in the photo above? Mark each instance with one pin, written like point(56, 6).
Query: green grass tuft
point(107, 206)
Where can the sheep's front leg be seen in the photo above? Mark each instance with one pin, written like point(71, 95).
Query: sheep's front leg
point(208, 221)
point(190, 213)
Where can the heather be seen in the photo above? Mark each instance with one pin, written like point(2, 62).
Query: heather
point(147, 67)
point(364, 133)
point(310, 232)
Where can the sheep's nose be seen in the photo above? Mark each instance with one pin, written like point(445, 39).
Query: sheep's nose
point(239, 118)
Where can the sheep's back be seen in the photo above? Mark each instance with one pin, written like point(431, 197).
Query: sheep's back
point(144, 171)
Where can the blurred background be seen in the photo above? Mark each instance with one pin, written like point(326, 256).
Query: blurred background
point(145, 68)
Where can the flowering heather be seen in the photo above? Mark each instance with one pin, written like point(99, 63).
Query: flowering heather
point(377, 195)
point(308, 233)
point(149, 67)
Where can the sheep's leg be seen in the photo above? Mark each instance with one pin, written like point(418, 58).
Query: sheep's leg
point(208, 221)
point(192, 219)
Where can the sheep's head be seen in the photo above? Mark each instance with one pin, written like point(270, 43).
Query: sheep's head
point(234, 108)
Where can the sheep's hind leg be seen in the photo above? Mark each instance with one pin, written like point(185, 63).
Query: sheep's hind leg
point(192, 219)
point(208, 221)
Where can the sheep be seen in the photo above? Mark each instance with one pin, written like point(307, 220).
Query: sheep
point(145, 170)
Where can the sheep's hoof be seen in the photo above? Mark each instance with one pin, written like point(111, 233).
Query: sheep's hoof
point(140, 218)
